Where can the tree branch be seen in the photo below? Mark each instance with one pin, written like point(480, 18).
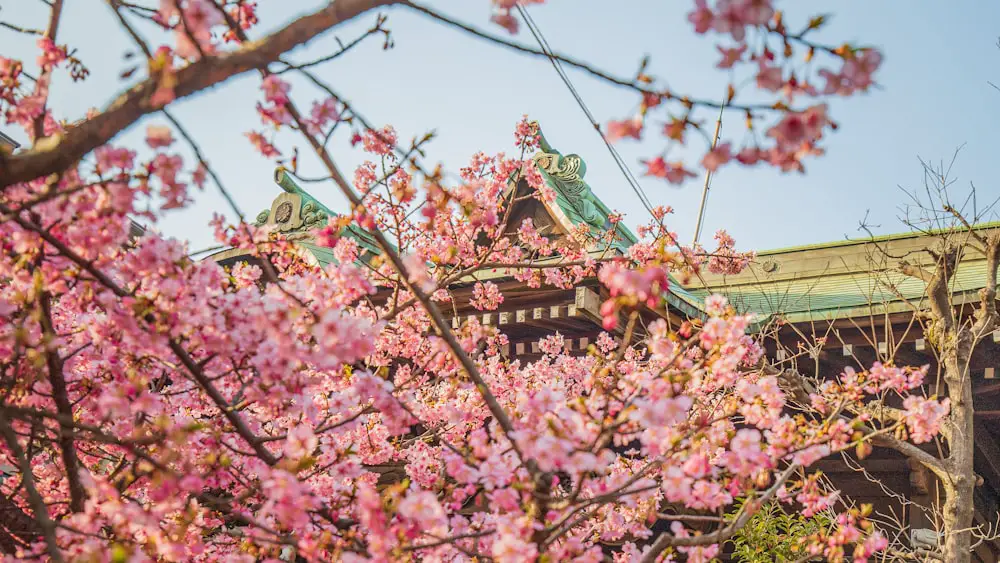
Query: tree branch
point(633, 84)
point(723, 534)
point(35, 499)
point(800, 389)
point(67, 444)
point(41, 85)
point(62, 151)
point(433, 312)
point(937, 290)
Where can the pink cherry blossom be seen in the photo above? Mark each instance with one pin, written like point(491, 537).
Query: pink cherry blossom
point(717, 157)
point(769, 77)
point(323, 113)
point(629, 128)
point(730, 55)
point(486, 296)
point(673, 172)
point(275, 90)
point(730, 18)
point(263, 146)
point(702, 17)
point(51, 55)
point(924, 417)
point(306, 401)
point(858, 69)
point(380, 142)
point(159, 136)
point(301, 442)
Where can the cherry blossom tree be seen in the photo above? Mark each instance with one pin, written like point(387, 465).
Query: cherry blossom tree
point(157, 407)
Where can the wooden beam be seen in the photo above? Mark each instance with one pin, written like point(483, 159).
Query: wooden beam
point(588, 303)
point(986, 390)
point(874, 466)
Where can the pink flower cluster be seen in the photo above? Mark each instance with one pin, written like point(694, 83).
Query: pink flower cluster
point(630, 287)
point(51, 55)
point(673, 172)
point(486, 296)
point(282, 408)
point(503, 16)
point(192, 22)
point(923, 417)
point(731, 16)
point(855, 75)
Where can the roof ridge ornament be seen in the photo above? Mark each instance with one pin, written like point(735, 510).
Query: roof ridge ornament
point(565, 174)
point(294, 209)
point(296, 213)
point(574, 196)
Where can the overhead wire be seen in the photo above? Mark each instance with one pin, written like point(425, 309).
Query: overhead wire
point(619, 161)
point(622, 166)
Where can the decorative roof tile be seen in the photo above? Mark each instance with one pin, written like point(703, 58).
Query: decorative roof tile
point(564, 174)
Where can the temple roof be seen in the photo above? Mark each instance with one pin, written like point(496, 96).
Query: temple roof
point(574, 197)
point(295, 213)
point(843, 279)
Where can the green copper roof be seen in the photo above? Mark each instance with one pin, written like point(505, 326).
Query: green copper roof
point(300, 212)
point(843, 279)
point(297, 212)
point(574, 197)
point(876, 239)
point(842, 296)
point(564, 174)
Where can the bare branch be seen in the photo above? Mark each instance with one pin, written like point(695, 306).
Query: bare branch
point(633, 84)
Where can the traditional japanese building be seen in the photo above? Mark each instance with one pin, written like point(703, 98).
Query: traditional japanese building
point(819, 308)
point(527, 314)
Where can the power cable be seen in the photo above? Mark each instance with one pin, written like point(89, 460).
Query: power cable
point(619, 161)
point(622, 166)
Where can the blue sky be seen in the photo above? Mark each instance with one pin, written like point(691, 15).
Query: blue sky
point(933, 97)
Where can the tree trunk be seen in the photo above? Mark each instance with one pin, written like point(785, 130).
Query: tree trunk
point(958, 516)
point(959, 506)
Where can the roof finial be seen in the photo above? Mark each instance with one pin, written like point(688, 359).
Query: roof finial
point(284, 180)
point(543, 144)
